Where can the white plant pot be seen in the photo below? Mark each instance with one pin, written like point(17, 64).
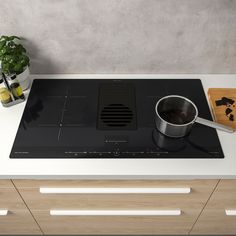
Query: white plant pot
point(24, 79)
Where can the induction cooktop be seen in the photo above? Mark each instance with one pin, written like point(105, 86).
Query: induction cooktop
point(104, 118)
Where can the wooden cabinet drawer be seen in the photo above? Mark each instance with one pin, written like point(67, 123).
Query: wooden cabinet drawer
point(15, 218)
point(10, 199)
point(190, 205)
point(6, 183)
point(102, 225)
point(213, 219)
point(30, 190)
point(18, 222)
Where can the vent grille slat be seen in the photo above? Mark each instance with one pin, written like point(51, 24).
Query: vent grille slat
point(120, 110)
point(116, 121)
point(117, 108)
point(116, 115)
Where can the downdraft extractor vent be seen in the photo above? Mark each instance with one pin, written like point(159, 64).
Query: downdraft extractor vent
point(116, 106)
point(116, 115)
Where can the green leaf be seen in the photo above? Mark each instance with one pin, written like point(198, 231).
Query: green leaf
point(11, 44)
point(5, 67)
point(8, 68)
point(20, 49)
point(24, 60)
point(11, 69)
point(4, 37)
point(18, 68)
point(2, 44)
point(9, 58)
point(3, 51)
point(14, 37)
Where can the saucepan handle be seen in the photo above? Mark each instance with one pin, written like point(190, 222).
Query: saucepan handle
point(214, 125)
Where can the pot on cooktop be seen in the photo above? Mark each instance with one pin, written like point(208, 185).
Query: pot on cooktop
point(175, 116)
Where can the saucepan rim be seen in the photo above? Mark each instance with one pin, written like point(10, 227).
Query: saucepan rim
point(176, 96)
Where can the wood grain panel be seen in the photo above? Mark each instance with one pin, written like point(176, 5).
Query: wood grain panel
point(18, 222)
point(200, 192)
point(10, 199)
point(101, 225)
point(190, 204)
point(213, 219)
point(6, 183)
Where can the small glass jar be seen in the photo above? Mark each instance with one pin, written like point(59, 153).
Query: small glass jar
point(16, 88)
point(5, 96)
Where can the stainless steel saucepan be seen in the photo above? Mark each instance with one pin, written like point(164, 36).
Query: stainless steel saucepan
point(175, 116)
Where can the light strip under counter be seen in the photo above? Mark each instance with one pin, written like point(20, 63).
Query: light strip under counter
point(230, 212)
point(51, 190)
point(3, 212)
point(175, 212)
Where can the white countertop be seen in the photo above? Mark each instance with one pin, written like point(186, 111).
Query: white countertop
point(116, 168)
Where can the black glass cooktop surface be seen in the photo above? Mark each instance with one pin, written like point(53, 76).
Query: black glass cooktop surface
point(101, 118)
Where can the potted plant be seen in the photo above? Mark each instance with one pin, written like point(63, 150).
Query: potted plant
point(14, 59)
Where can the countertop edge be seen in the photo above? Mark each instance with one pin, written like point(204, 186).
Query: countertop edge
point(116, 177)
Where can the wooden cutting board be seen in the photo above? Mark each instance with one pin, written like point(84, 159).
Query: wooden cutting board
point(223, 105)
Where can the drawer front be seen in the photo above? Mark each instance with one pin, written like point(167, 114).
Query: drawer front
point(15, 218)
point(6, 183)
point(200, 191)
point(10, 199)
point(18, 222)
point(219, 216)
point(41, 204)
point(102, 225)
